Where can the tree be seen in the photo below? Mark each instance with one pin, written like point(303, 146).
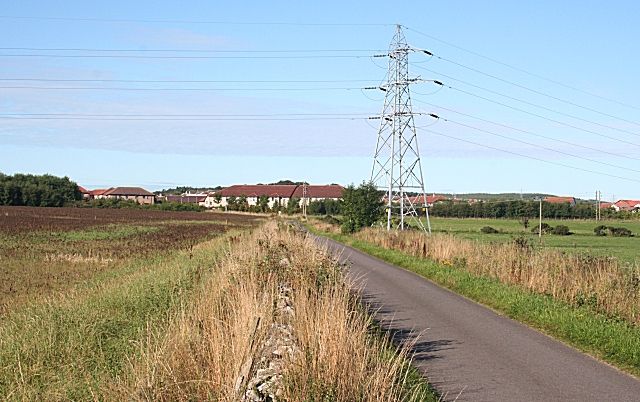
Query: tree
point(243, 204)
point(361, 206)
point(293, 206)
point(38, 191)
point(232, 203)
point(263, 203)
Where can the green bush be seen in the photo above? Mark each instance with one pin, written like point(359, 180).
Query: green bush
point(561, 230)
point(489, 230)
point(600, 230)
point(620, 232)
point(546, 228)
point(603, 230)
point(332, 220)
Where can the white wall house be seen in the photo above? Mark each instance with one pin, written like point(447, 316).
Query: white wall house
point(277, 194)
point(626, 205)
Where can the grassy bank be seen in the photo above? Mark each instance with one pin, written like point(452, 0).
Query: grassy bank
point(275, 318)
point(614, 340)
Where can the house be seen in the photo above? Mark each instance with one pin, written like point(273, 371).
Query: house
point(97, 193)
point(561, 200)
point(418, 200)
point(605, 205)
point(626, 205)
point(277, 194)
point(318, 192)
point(137, 194)
point(85, 193)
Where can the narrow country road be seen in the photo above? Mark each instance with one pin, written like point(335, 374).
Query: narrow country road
point(471, 353)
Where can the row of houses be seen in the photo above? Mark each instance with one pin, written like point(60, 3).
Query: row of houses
point(281, 194)
point(137, 194)
point(620, 205)
point(276, 195)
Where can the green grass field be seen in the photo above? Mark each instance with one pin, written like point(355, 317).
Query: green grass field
point(582, 241)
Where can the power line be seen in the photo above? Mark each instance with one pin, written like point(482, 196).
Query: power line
point(530, 90)
point(542, 117)
point(519, 69)
point(182, 115)
point(90, 118)
point(181, 21)
point(178, 89)
point(184, 81)
point(98, 50)
point(534, 145)
point(528, 132)
point(537, 105)
point(533, 157)
point(127, 56)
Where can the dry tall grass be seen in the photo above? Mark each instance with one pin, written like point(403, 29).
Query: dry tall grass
point(218, 347)
point(601, 283)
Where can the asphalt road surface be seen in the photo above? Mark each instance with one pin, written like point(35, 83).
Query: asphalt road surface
point(471, 353)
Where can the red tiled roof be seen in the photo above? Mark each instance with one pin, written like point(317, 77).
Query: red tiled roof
point(606, 204)
point(317, 191)
point(430, 199)
point(627, 205)
point(270, 190)
point(139, 191)
point(83, 190)
point(560, 200)
point(99, 191)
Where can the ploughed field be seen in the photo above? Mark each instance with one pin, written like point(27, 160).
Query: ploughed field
point(48, 251)
point(583, 240)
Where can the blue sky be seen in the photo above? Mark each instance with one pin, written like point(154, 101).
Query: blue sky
point(579, 43)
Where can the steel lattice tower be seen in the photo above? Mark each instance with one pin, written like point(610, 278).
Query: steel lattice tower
point(396, 162)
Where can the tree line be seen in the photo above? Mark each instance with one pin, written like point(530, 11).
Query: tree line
point(519, 209)
point(38, 190)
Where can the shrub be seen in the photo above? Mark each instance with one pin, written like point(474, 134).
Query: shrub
point(546, 228)
point(489, 230)
point(561, 230)
point(620, 232)
point(600, 230)
point(332, 220)
point(603, 230)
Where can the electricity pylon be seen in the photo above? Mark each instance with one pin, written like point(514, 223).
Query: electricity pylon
point(396, 163)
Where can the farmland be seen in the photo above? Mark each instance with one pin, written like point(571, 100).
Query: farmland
point(82, 288)
point(583, 240)
point(45, 251)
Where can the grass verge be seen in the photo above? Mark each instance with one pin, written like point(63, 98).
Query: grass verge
point(72, 347)
point(276, 320)
point(614, 341)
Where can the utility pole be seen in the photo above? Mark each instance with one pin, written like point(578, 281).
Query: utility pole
point(599, 205)
point(397, 169)
point(540, 222)
point(304, 199)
